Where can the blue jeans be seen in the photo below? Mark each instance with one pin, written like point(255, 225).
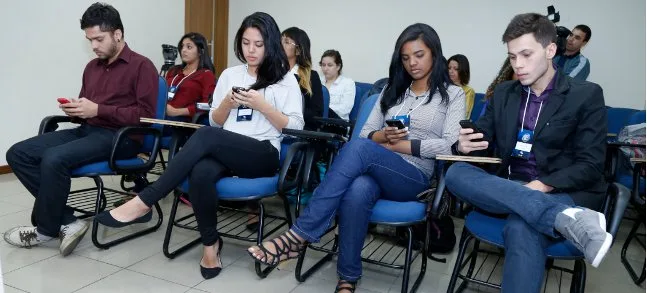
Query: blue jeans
point(362, 173)
point(529, 227)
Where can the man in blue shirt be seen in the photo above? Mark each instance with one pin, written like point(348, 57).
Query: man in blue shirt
point(572, 62)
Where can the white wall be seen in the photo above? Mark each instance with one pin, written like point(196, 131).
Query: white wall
point(364, 31)
point(44, 53)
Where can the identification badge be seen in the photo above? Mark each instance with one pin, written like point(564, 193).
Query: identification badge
point(244, 114)
point(171, 92)
point(524, 144)
point(405, 119)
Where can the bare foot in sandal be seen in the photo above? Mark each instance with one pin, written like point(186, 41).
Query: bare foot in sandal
point(287, 246)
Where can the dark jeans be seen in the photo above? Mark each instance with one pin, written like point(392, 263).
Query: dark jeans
point(43, 165)
point(529, 229)
point(212, 153)
point(362, 173)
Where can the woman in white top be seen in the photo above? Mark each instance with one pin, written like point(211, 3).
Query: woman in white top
point(244, 139)
point(341, 88)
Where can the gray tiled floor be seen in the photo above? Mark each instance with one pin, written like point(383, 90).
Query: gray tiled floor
point(140, 265)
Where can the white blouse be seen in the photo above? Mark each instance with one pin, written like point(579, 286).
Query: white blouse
point(342, 95)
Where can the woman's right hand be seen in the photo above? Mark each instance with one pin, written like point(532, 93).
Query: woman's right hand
point(393, 134)
point(229, 101)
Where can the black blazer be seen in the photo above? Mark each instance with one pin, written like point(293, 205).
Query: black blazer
point(569, 140)
point(313, 104)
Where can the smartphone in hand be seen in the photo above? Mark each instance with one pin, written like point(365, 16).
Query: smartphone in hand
point(238, 89)
point(63, 100)
point(395, 123)
point(468, 124)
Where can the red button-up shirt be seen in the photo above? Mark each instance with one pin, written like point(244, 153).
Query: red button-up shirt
point(124, 90)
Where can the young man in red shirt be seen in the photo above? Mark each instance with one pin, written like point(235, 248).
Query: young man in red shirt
point(118, 88)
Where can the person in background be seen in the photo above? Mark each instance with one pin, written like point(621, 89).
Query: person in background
point(505, 73)
point(572, 62)
point(296, 45)
point(459, 73)
point(341, 88)
point(193, 81)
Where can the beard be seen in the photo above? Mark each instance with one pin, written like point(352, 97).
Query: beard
point(112, 51)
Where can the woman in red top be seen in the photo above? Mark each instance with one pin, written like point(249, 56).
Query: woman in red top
point(193, 81)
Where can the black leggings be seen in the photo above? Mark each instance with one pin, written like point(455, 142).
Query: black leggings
point(210, 154)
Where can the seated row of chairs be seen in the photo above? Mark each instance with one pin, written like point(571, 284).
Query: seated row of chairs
point(232, 222)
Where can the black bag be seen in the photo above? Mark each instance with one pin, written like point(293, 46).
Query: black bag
point(441, 235)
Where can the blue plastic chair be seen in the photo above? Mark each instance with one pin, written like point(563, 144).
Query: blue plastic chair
point(385, 212)
point(617, 118)
point(231, 221)
point(136, 168)
point(479, 102)
point(361, 93)
point(326, 101)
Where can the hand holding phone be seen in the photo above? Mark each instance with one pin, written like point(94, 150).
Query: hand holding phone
point(471, 141)
point(63, 100)
point(238, 89)
point(395, 123)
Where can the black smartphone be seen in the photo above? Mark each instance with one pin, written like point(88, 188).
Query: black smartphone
point(238, 89)
point(469, 124)
point(395, 123)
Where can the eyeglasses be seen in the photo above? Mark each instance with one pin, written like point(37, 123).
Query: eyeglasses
point(287, 41)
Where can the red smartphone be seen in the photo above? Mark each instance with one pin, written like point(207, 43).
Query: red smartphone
point(63, 100)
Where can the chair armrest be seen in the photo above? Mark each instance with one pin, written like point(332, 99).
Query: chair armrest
point(620, 196)
point(50, 123)
point(201, 118)
point(617, 144)
point(293, 154)
point(332, 122)
point(314, 136)
point(122, 134)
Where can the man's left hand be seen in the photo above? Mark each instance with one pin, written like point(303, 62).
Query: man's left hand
point(83, 108)
point(538, 185)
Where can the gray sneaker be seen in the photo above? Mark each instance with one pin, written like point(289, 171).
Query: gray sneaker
point(24, 236)
point(71, 235)
point(587, 231)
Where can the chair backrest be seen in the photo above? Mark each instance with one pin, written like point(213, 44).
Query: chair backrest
point(363, 113)
point(326, 101)
point(361, 91)
point(160, 113)
point(479, 101)
point(617, 118)
point(637, 118)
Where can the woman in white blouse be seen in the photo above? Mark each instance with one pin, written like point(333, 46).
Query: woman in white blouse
point(341, 88)
point(252, 103)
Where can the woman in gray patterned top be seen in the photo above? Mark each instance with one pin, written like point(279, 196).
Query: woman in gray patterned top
point(387, 162)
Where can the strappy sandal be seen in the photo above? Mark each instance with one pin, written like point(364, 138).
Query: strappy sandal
point(345, 285)
point(290, 248)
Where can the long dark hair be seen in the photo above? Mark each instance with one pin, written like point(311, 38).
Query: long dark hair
point(275, 63)
point(203, 50)
point(399, 78)
point(505, 73)
point(304, 60)
point(463, 68)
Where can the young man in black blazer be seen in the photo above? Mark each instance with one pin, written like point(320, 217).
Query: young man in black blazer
point(549, 130)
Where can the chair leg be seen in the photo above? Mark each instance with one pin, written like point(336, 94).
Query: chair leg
point(169, 230)
point(100, 205)
point(623, 253)
point(162, 159)
point(466, 237)
point(262, 273)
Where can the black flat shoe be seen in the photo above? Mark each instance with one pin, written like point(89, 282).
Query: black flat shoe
point(106, 219)
point(252, 226)
point(210, 273)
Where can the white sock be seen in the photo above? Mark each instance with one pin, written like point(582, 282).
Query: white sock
point(571, 212)
point(42, 237)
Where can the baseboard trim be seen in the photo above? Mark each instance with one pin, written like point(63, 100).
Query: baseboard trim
point(5, 169)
